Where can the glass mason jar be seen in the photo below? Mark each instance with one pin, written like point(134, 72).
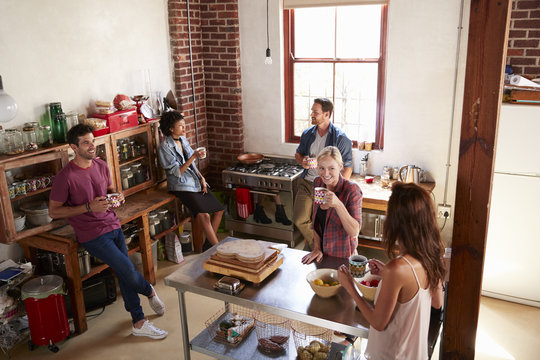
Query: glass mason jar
point(44, 136)
point(54, 109)
point(163, 215)
point(127, 178)
point(154, 224)
point(13, 142)
point(132, 149)
point(385, 177)
point(138, 174)
point(59, 129)
point(72, 119)
point(395, 173)
point(29, 138)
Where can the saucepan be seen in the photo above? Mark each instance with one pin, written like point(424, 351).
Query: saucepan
point(250, 158)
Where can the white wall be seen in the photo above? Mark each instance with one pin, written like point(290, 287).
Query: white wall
point(78, 51)
point(421, 63)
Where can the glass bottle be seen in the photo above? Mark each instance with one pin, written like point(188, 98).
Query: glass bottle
point(13, 142)
point(163, 215)
point(54, 109)
point(59, 130)
point(44, 136)
point(125, 150)
point(395, 173)
point(132, 149)
point(29, 138)
point(127, 178)
point(2, 150)
point(385, 177)
point(72, 119)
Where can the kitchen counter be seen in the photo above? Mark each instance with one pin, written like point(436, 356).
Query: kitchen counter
point(285, 292)
point(374, 196)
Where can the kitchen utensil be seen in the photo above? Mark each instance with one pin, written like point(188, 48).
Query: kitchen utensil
point(250, 158)
point(369, 292)
point(312, 162)
point(409, 174)
point(202, 151)
point(319, 194)
point(326, 275)
point(357, 265)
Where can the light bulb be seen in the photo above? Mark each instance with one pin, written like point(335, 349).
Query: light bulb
point(268, 59)
point(8, 106)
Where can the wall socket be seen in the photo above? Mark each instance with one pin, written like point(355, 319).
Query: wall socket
point(443, 211)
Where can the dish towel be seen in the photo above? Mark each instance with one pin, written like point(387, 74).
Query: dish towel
point(243, 202)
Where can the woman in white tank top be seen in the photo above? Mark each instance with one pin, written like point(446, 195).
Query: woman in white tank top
point(411, 282)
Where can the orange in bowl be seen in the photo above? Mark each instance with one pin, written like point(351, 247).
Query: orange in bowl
point(324, 282)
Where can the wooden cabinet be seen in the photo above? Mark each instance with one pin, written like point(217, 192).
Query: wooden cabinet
point(38, 165)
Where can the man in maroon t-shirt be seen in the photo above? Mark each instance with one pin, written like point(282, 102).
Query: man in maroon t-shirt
point(79, 194)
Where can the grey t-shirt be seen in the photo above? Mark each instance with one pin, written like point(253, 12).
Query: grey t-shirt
point(314, 151)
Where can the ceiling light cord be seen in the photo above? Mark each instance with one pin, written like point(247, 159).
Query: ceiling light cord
point(268, 59)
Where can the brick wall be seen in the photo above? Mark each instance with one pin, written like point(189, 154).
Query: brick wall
point(524, 38)
point(215, 41)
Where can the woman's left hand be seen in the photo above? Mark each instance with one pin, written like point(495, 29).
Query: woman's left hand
point(345, 279)
point(203, 186)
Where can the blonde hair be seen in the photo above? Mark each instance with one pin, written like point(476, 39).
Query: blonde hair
point(332, 152)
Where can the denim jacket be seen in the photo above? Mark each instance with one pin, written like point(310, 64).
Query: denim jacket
point(336, 137)
point(171, 159)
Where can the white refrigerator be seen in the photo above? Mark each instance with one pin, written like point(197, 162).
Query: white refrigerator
point(512, 262)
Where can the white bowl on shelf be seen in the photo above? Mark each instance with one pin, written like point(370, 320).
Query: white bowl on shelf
point(20, 219)
point(37, 213)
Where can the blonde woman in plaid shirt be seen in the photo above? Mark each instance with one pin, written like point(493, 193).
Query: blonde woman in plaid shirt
point(337, 222)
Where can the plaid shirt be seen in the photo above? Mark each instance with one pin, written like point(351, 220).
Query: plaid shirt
point(336, 242)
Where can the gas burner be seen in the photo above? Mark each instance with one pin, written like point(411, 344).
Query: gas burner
point(267, 166)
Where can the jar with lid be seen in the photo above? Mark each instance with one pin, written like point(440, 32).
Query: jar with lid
point(163, 215)
point(13, 142)
point(138, 174)
point(125, 150)
point(395, 173)
point(54, 109)
point(44, 136)
point(59, 131)
point(127, 178)
point(132, 149)
point(72, 119)
point(29, 138)
point(154, 224)
point(385, 177)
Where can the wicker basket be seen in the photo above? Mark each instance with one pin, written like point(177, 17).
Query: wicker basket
point(273, 333)
point(219, 325)
point(311, 342)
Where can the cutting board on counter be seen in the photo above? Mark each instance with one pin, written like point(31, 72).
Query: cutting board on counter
point(269, 254)
point(241, 272)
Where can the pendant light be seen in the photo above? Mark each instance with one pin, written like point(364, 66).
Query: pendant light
point(268, 59)
point(8, 106)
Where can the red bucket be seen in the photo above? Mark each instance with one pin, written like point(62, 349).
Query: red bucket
point(44, 301)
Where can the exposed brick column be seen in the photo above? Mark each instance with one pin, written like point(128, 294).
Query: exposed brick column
point(216, 55)
point(524, 38)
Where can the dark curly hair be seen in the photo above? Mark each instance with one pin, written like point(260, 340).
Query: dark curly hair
point(410, 220)
point(168, 119)
point(76, 131)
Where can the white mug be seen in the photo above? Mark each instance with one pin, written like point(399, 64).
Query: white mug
point(202, 152)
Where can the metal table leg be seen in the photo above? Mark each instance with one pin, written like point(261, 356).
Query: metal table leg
point(184, 323)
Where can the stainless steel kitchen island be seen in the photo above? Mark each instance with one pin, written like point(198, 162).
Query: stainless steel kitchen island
point(285, 293)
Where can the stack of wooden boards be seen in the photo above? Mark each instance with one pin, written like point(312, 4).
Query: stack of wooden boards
point(250, 260)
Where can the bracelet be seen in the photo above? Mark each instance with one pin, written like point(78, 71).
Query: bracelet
point(88, 207)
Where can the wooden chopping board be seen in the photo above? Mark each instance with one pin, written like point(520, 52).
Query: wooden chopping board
point(240, 272)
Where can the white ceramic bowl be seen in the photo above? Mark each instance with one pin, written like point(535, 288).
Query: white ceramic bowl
point(368, 291)
point(324, 275)
point(37, 213)
point(19, 219)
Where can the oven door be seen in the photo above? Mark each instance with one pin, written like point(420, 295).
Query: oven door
point(372, 224)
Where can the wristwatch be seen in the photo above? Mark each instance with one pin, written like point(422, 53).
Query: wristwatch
point(88, 207)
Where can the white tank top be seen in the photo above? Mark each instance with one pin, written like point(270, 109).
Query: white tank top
point(406, 334)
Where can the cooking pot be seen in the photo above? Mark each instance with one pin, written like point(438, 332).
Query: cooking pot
point(250, 158)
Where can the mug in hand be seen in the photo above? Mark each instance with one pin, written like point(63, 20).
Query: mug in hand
point(358, 265)
point(113, 200)
point(318, 195)
point(312, 163)
point(202, 152)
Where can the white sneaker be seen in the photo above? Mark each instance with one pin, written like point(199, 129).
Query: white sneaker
point(148, 329)
point(156, 304)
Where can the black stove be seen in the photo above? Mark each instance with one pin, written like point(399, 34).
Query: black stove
point(268, 169)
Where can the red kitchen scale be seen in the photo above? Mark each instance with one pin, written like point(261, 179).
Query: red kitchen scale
point(144, 111)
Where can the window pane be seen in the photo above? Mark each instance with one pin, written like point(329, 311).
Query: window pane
point(310, 82)
point(355, 105)
point(365, 21)
point(314, 32)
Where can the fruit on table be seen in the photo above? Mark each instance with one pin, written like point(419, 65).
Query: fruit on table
point(321, 282)
point(372, 283)
point(315, 351)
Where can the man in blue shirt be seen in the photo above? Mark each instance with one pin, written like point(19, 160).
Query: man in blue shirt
point(322, 134)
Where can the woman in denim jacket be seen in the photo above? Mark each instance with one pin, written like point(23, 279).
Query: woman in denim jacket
point(184, 179)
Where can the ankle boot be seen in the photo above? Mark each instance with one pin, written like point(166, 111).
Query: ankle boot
point(260, 216)
point(281, 216)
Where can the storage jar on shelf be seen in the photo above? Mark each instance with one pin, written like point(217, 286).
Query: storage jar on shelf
point(163, 215)
point(138, 174)
point(13, 142)
point(29, 138)
point(44, 136)
point(127, 178)
point(154, 224)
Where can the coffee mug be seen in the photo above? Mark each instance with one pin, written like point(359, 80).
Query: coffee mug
point(20, 188)
point(45, 181)
point(32, 184)
point(312, 163)
point(113, 200)
point(319, 194)
point(202, 151)
point(12, 191)
point(358, 265)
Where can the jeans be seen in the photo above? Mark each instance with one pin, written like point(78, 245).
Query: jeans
point(303, 208)
point(112, 250)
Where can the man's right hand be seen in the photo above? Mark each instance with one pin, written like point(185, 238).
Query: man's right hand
point(99, 204)
point(305, 163)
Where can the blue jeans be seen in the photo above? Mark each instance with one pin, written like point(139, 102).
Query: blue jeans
point(112, 250)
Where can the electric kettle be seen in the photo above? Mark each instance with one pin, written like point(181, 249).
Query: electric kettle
point(409, 174)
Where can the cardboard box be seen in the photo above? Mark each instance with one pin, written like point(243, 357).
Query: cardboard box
point(120, 120)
